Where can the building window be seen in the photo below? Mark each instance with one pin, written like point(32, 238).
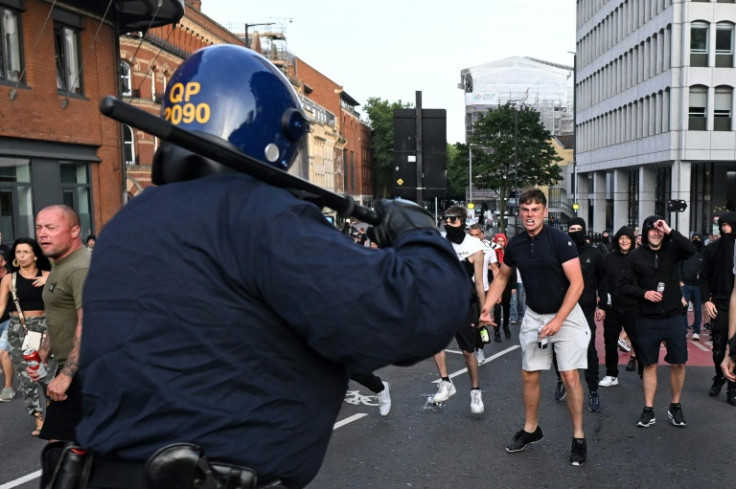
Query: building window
point(697, 107)
point(68, 59)
point(11, 63)
point(128, 145)
point(699, 44)
point(724, 44)
point(633, 217)
point(126, 85)
point(16, 203)
point(76, 193)
point(722, 109)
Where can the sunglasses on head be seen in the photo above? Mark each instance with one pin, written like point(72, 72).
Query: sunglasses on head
point(450, 218)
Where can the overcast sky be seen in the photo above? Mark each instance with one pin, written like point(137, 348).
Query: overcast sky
point(391, 49)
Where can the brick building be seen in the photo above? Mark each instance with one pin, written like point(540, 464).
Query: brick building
point(354, 146)
point(147, 61)
point(59, 59)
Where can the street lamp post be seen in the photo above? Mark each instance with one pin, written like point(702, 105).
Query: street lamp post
point(470, 173)
point(575, 133)
point(254, 25)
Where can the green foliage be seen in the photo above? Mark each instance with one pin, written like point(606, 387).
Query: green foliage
point(380, 115)
point(511, 149)
point(457, 171)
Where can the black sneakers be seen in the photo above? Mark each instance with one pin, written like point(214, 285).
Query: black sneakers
point(560, 392)
point(675, 414)
point(579, 451)
point(631, 366)
point(594, 402)
point(522, 439)
point(715, 389)
point(731, 393)
point(647, 418)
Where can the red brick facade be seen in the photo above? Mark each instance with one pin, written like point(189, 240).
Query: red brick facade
point(153, 59)
point(35, 115)
point(356, 155)
point(64, 151)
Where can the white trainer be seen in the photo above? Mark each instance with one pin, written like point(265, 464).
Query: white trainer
point(623, 345)
point(384, 399)
point(476, 402)
point(608, 381)
point(480, 355)
point(696, 337)
point(445, 391)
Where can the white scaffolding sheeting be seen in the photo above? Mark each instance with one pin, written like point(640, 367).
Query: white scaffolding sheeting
point(544, 86)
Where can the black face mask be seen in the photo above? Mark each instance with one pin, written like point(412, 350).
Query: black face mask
point(578, 237)
point(455, 234)
point(697, 243)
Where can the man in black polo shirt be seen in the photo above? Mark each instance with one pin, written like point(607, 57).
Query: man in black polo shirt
point(550, 269)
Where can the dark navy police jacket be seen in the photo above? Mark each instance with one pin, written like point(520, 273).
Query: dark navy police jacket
point(226, 312)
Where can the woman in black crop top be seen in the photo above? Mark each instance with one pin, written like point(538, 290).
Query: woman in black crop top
point(30, 268)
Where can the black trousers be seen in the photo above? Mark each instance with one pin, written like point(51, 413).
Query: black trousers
point(369, 380)
point(719, 335)
point(504, 306)
point(615, 320)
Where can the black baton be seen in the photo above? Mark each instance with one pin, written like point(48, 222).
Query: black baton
point(127, 114)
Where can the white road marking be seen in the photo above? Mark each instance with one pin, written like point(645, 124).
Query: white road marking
point(21, 480)
point(487, 360)
point(339, 424)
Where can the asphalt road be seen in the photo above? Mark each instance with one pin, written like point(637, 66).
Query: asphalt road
point(416, 447)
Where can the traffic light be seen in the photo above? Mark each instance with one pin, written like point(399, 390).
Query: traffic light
point(676, 205)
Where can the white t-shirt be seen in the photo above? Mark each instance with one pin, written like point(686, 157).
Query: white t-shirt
point(489, 259)
point(469, 246)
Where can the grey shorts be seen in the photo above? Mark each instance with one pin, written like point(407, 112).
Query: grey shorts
point(570, 344)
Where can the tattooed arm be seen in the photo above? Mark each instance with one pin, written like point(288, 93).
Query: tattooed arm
point(58, 387)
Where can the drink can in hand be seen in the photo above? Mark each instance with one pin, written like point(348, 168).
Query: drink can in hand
point(34, 362)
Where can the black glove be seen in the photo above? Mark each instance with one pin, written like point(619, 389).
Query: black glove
point(398, 217)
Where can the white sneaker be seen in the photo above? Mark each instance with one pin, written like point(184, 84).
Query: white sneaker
point(7, 394)
point(384, 399)
point(696, 337)
point(445, 391)
point(608, 381)
point(480, 355)
point(623, 345)
point(476, 402)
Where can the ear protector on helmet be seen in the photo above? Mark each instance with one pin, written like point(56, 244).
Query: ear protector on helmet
point(238, 96)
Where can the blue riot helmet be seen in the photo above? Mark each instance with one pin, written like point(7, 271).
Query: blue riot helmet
point(237, 95)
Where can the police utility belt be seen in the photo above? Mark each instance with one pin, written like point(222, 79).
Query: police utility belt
point(176, 466)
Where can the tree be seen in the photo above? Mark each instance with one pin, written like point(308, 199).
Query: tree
point(381, 119)
point(457, 171)
point(511, 150)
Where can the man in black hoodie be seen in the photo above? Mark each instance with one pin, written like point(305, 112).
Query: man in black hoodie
point(622, 310)
point(690, 282)
point(651, 275)
point(595, 291)
point(716, 285)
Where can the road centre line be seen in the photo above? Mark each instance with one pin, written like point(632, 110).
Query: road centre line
point(487, 360)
